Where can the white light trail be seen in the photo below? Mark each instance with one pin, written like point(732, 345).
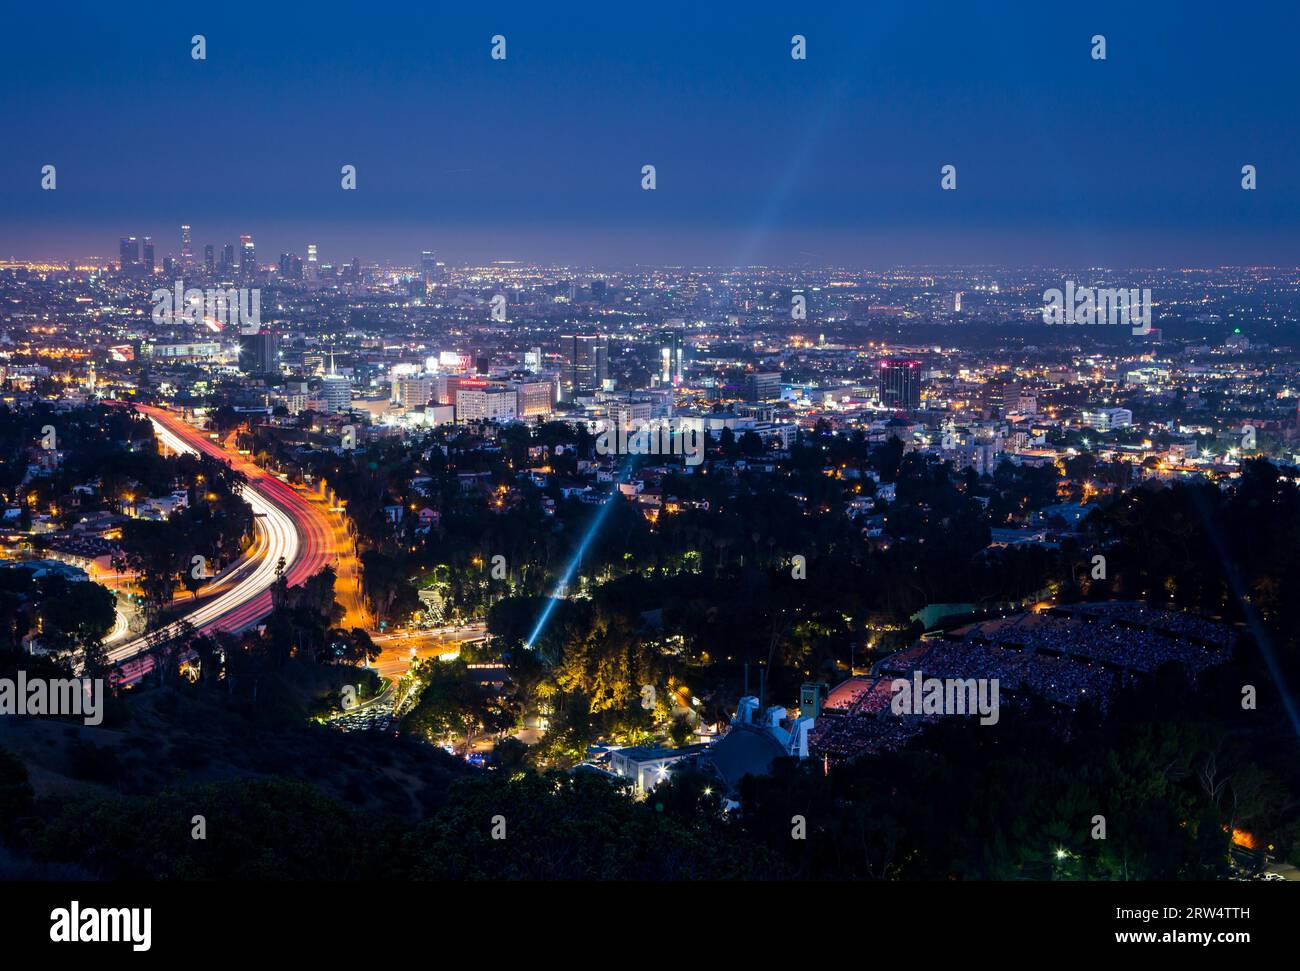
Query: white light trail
point(281, 540)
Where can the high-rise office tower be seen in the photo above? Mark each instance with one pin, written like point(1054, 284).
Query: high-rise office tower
point(763, 386)
point(128, 254)
point(148, 256)
point(313, 267)
point(900, 384)
point(430, 269)
point(670, 357)
point(187, 253)
point(588, 356)
point(259, 352)
point(209, 259)
point(228, 260)
point(247, 257)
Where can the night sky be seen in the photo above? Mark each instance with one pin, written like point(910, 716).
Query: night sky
point(1135, 160)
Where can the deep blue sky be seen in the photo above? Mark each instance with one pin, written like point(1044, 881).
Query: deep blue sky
point(760, 158)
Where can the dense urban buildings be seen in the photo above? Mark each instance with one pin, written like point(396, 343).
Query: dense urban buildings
point(663, 542)
point(900, 384)
point(588, 360)
point(523, 503)
point(259, 351)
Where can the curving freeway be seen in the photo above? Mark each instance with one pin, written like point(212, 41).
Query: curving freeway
point(287, 525)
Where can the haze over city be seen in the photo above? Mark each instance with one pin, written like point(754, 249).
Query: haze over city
point(834, 159)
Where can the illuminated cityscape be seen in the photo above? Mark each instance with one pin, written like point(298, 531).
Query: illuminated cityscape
point(435, 490)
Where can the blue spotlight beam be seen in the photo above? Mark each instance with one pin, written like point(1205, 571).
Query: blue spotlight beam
point(567, 576)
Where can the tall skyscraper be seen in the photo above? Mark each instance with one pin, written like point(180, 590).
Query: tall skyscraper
point(148, 256)
point(247, 257)
point(128, 254)
point(227, 260)
point(430, 269)
point(209, 259)
point(259, 352)
point(187, 252)
point(588, 356)
point(670, 357)
point(313, 268)
point(900, 384)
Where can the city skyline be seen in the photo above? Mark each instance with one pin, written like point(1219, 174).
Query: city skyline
point(760, 158)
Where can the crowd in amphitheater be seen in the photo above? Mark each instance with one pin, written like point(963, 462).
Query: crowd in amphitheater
point(1063, 655)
